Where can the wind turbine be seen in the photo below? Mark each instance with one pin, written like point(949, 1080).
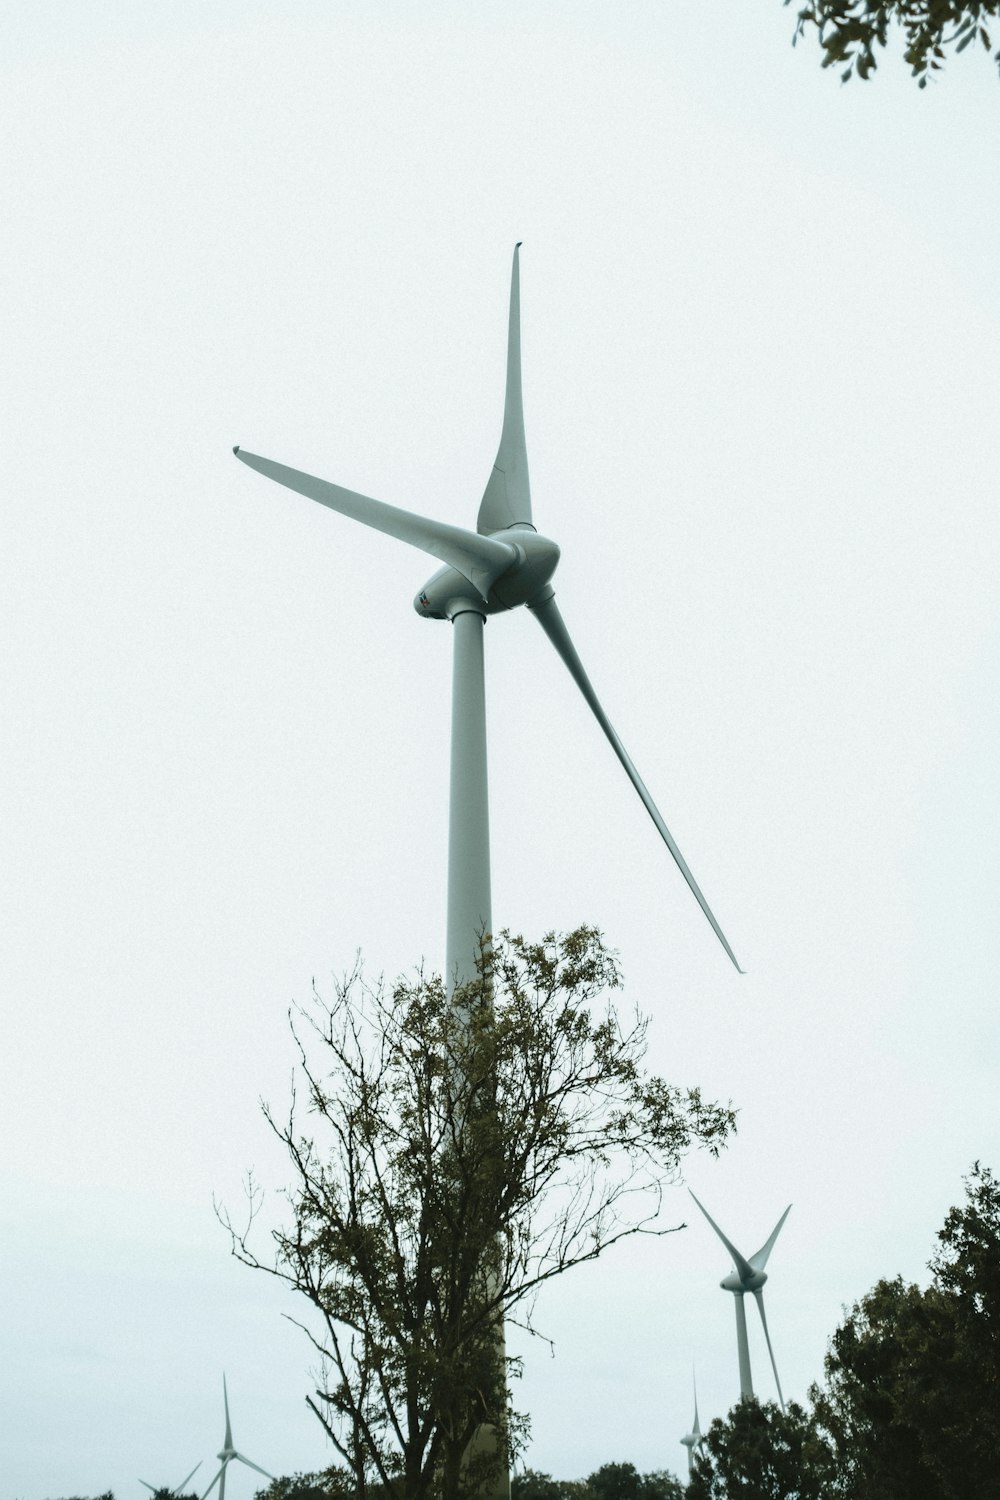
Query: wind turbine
point(156, 1489)
point(504, 563)
point(749, 1276)
point(693, 1439)
point(228, 1453)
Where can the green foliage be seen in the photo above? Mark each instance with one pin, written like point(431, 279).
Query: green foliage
point(968, 1263)
point(912, 1396)
point(850, 31)
point(609, 1482)
point(760, 1452)
point(459, 1153)
point(883, 1387)
point(660, 1484)
point(624, 1482)
point(531, 1484)
point(330, 1484)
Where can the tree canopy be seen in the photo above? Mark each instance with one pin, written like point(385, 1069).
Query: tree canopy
point(613, 1481)
point(760, 1452)
point(852, 32)
point(912, 1390)
point(453, 1155)
point(624, 1482)
point(329, 1484)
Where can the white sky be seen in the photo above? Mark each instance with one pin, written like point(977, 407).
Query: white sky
point(760, 324)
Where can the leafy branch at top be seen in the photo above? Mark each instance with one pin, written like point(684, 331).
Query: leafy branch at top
point(850, 31)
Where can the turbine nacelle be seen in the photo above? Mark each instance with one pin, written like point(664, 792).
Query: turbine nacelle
point(734, 1282)
point(450, 592)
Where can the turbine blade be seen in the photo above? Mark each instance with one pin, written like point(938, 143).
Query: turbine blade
point(225, 1400)
point(147, 1486)
point(759, 1260)
point(760, 1305)
point(551, 621)
point(507, 498)
point(187, 1478)
point(480, 559)
point(743, 1267)
point(253, 1466)
point(221, 1475)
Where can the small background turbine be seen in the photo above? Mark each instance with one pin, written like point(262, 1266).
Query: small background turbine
point(228, 1453)
point(693, 1439)
point(749, 1276)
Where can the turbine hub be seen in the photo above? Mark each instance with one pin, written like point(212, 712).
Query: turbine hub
point(735, 1283)
point(449, 592)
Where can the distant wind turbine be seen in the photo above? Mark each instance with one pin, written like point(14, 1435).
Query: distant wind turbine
point(228, 1454)
point(504, 563)
point(693, 1439)
point(749, 1276)
point(180, 1488)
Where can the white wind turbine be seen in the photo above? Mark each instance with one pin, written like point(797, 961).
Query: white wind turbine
point(228, 1453)
point(749, 1276)
point(179, 1489)
point(502, 564)
point(693, 1439)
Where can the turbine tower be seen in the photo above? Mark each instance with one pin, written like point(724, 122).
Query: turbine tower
point(228, 1453)
point(748, 1276)
point(501, 565)
point(693, 1439)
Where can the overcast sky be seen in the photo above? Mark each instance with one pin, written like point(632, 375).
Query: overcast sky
point(760, 333)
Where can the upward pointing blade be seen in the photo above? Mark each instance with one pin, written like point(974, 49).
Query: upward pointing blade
point(551, 621)
point(227, 1445)
point(507, 499)
point(480, 559)
point(760, 1258)
point(743, 1267)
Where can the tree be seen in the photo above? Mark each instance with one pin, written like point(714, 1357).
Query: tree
point(760, 1452)
point(531, 1484)
point(331, 1484)
point(609, 1482)
point(849, 31)
point(459, 1153)
point(889, 1404)
point(967, 1266)
point(624, 1482)
point(912, 1394)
